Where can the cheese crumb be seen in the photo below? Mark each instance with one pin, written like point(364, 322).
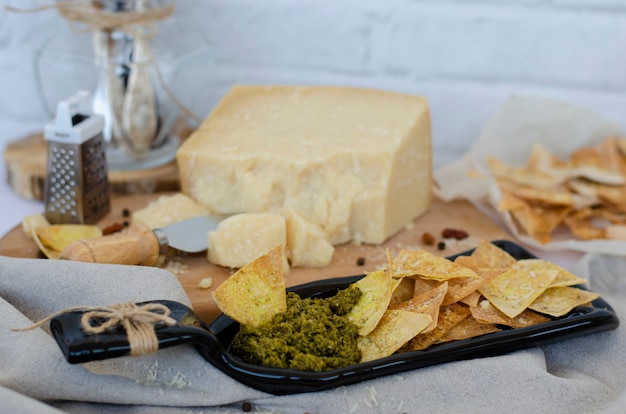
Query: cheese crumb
point(206, 283)
point(177, 268)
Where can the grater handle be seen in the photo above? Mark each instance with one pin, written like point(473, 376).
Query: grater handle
point(137, 246)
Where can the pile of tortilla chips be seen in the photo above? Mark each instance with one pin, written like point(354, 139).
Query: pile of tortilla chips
point(586, 193)
point(420, 299)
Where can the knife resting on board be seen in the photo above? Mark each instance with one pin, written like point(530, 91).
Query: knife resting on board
point(142, 246)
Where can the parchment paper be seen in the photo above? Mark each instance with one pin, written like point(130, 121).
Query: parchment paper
point(509, 136)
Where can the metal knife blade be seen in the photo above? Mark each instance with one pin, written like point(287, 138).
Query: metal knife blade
point(191, 235)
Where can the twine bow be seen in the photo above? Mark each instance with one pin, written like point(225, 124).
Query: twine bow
point(137, 321)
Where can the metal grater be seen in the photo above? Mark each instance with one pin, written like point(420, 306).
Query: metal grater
point(77, 187)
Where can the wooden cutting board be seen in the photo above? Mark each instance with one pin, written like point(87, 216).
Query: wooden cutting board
point(191, 269)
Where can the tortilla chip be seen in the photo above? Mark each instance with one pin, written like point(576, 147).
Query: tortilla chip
point(449, 316)
point(615, 232)
point(54, 238)
point(512, 291)
point(564, 278)
point(262, 284)
point(600, 164)
point(530, 220)
point(471, 299)
point(542, 160)
point(469, 328)
point(615, 195)
point(508, 201)
point(423, 285)
point(427, 303)
point(559, 301)
point(33, 221)
point(395, 329)
point(376, 290)
point(404, 290)
point(583, 227)
point(521, 175)
point(460, 288)
point(553, 196)
point(489, 255)
point(428, 266)
point(485, 312)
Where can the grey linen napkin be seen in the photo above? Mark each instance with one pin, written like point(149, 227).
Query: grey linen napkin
point(581, 375)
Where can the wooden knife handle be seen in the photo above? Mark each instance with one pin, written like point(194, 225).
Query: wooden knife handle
point(137, 246)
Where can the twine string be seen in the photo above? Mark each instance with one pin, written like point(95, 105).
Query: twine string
point(138, 322)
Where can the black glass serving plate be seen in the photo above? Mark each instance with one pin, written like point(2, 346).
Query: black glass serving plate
point(213, 341)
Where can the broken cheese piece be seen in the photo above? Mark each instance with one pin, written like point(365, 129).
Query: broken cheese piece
point(166, 210)
point(241, 238)
point(356, 162)
point(307, 244)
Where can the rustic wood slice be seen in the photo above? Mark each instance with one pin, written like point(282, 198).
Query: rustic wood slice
point(26, 158)
point(192, 268)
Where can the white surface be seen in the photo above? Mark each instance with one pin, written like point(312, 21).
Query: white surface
point(466, 56)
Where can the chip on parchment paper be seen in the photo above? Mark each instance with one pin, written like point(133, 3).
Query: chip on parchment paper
point(375, 290)
point(429, 266)
point(508, 202)
point(558, 301)
point(554, 196)
point(540, 159)
point(395, 328)
point(581, 224)
point(512, 291)
point(589, 183)
point(530, 220)
point(54, 238)
point(602, 163)
point(485, 312)
point(521, 175)
point(256, 292)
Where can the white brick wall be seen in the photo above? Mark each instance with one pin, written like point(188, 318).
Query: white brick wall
point(465, 56)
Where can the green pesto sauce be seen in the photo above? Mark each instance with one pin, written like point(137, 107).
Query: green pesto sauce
point(313, 334)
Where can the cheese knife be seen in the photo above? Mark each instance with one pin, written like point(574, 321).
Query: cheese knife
point(142, 246)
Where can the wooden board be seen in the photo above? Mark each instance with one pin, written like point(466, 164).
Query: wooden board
point(458, 214)
point(26, 159)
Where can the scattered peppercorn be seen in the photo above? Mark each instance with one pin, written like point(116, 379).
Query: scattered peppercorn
point(360, 261)
point(428, 239)
point(126, 223)
point(453, 234)
point(246, 407)
point(126, 213)
point(441, 245)
point(113, 228)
